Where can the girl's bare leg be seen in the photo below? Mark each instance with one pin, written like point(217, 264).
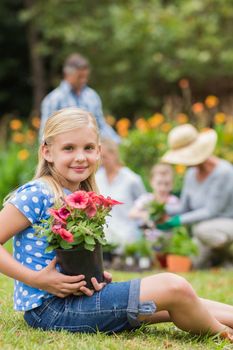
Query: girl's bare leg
point(222, 312)
point(174, 294)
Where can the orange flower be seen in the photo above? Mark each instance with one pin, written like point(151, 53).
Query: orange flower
point(123, 132)
point(155, 120)
point(180, 169)
point(123, 122)
point(142, 124)
point(183, 83)
point(16, 124)
point(211, 101)
point(23, 154)
point(36, 122)
point(182, 118)
point(18, 137)
point(219, 118)
point(122, 127)
point(110, 120)
point(197, 107)
point(165, 127)
point(30, 136)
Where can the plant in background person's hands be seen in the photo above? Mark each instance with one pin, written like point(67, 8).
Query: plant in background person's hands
point(156, 211)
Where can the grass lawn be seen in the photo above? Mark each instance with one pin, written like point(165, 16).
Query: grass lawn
point(15, 334)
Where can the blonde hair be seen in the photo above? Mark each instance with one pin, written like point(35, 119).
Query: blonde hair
point(161, 169)
point(64, 120)
point(113, 148)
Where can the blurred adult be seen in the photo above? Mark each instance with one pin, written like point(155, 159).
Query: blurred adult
point(74, 91)
point(118, 181)
point(207, 193)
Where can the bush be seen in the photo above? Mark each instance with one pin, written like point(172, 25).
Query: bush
point(18, 157)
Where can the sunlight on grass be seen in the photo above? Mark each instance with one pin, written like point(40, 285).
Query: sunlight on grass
point(15, 334)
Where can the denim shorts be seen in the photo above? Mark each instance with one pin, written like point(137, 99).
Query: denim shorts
point(113, 309)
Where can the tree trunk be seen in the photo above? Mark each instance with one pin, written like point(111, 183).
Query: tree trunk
point(36, 62)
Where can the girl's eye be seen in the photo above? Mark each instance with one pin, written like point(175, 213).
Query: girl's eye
point(68, 148)
point(90, 147)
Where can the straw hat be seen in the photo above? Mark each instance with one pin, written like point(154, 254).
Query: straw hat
point(188, 146)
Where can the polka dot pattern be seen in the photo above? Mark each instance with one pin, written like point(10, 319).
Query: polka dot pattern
point(33, 200)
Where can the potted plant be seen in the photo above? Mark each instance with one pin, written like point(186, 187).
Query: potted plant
point(179, 249)
point(75, 230)
point(141, 251)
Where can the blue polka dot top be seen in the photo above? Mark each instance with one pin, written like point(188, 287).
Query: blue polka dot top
point(32, 200)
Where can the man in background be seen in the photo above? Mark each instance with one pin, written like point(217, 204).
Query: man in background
point(74, 91)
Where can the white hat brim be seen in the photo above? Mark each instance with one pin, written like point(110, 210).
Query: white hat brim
point(195, 153)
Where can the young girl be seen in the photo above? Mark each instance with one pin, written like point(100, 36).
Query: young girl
point(68, 158)
point(161, 181)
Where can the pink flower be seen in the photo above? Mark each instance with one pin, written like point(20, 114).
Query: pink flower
point(55, 213)
point(91, 210)
point(56, 228)
point(109, 202)
point(95, 198)
point(66, 235)
point(78, 199)
point(63, 213)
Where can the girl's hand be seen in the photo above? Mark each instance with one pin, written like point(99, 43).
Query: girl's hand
point(97, 286)
point(56, 283)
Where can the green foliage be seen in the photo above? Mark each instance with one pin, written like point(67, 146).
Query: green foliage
point(15, 94)
point(141, 48)
point(141, 150)
point(141, 247)
point(181, 243)
point(15, 170)
point(156, 210)
point(109, 247)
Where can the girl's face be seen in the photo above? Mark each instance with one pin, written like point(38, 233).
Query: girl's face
point(74, 154)
point(161, 184)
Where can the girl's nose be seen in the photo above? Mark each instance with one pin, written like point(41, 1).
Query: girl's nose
point(79, 157)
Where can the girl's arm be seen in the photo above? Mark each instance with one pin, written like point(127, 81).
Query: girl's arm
point(13, 221)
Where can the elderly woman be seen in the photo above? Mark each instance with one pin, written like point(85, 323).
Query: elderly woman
point(118, 181)
point(207, 194)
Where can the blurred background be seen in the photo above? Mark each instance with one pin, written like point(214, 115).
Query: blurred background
point(155, 64)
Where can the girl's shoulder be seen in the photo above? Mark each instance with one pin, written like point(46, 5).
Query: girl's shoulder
point(36, 191)
point(33, 199)
point(38, 186)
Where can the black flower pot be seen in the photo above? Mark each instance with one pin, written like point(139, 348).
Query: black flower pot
point(80, 261)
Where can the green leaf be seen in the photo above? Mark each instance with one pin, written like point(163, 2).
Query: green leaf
point(90, 247)
point(101, 240)
point(50, 248)
point(65, 245)
point(89, 240)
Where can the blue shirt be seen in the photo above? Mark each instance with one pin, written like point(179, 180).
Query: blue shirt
point(64, 96)
point(32, 200)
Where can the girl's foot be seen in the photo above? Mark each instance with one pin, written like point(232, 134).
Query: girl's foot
point(227, 335)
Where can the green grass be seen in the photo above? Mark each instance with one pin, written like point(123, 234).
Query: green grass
point(15, 334)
